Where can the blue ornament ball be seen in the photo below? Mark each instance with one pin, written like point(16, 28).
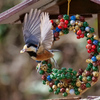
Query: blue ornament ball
point(38, 61)
point(95, 42)
point(73, 18)
point(54, 31)
point(72, 91)
point(58, 30)
point(87, 29)
point(94, 58)
point(48, 78)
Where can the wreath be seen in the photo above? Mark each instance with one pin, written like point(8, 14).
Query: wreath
point(68, 81)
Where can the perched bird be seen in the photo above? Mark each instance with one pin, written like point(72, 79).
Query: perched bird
point(38, 35)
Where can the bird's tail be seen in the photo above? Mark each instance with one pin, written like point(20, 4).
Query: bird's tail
point(54, 50)
point(55, 63)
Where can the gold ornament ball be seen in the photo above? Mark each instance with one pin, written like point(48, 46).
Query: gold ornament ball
point(77, 16)
point(57, 21)
point(43, 65)
point(52, 27)
point(70, 86)
point(98, 57)
point(54, 87)
point(61, 33)
point(83, 74)
point(80, 24)
point(73, 27)
point(89, 35)
point(67, 90)
point(60, 85)
point(47, 82)
point(78, 83)
point(84, 79)
point(74, 30)
point(79, 89)
point(65, 84)
point(76, 27)
point(89, 61)
point(70, 28)
point(76, 22)
point(96, 37)
point(95, 74)
point(44, 68)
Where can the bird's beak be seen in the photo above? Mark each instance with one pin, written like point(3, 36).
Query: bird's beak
point(22, 51)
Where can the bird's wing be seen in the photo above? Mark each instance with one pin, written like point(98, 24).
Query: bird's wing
point(46, 32)
point(31, 29)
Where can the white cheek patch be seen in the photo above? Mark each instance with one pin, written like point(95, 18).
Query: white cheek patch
point(33, 49)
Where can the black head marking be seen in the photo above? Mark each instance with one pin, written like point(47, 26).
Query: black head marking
point(31, 53)
point(31, 44)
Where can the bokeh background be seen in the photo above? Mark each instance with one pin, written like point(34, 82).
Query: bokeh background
point(19, 79)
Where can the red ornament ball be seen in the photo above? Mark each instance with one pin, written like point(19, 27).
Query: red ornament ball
point(65, 26)
point(90, 56)
point(94, 79)
point(80, 71)
point(98, 63)
point(82, 36)
point(82, 19)
point(56, 34)
point(93, 46)
point(60, 16)
point(62, 24)
point(66, 21)
point(89, 50)
point(62, 90)
point(88, 73)
point(60, 27)
point(89, 41)
point(92, 50)
point(95, 64)
point(78, 36)
point(51, 84)
point(79, 32)
point(51, 21)
point(88, 46)
point(61, 20)
point(83, 86)
point(43, 77)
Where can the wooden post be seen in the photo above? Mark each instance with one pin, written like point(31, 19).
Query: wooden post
point(99, 25)
point(67, 98)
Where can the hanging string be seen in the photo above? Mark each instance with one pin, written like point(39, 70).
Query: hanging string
point(68, 7)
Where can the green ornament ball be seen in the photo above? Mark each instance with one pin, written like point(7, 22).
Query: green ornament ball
point(50, 89)
point(88, 85)
point(91, 30)
point(77, 92)
point(49, 65)
point(89, 78)
point(80, 77)
point(65, 94)
point(85, 24)
point(99, 44)
point(98, 49)
point(44, 82)
point(66, 17)
point(41, 72)
point(95, 68)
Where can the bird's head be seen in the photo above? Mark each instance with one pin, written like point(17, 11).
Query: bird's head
point(29, 48)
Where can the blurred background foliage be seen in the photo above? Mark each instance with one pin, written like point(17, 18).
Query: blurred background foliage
point(19, 79)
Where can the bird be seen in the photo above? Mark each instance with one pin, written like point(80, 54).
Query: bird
point(38, 36)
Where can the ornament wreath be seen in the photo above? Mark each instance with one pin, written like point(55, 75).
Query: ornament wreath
point(68, 81)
